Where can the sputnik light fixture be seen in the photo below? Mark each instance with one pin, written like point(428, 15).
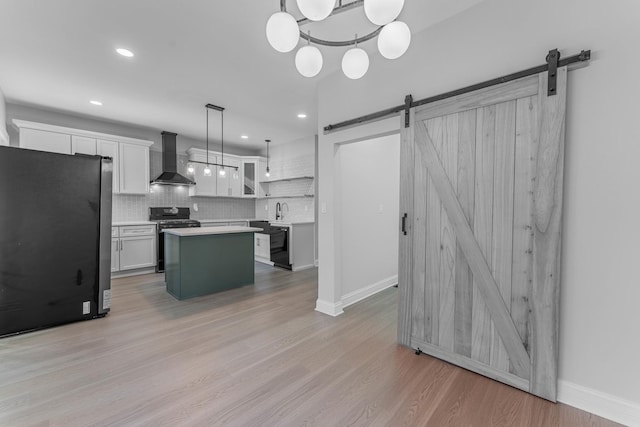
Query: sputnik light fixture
point(283, 33)
point(207, 168)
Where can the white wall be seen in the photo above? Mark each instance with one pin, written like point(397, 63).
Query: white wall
point(4, 136)
point(370, 179)
point(600, 289)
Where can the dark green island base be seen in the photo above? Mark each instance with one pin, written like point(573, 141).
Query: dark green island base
point(201, 263)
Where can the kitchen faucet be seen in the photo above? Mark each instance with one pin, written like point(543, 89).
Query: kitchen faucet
point(278, 211)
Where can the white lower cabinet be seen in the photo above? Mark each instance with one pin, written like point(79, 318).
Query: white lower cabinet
point(134, 248)
point(115, 255)
point(262, 249)
point(137, 252)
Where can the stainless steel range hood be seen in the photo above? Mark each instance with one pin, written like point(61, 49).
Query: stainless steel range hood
point(170, 175)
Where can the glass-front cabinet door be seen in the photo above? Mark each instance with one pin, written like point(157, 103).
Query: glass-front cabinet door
point(249, 178)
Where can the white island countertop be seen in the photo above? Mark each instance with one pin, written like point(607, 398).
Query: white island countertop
point(203, 231)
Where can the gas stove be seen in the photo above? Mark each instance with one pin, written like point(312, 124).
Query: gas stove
point(170, 217)
point(176, 223)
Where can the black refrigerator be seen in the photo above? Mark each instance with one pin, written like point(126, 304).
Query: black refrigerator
point(55, 238)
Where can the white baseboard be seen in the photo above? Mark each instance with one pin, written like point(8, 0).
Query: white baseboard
point(367, 291)
point(332, 309)
point(302, 267)
point(599, 403)
point(136, 272)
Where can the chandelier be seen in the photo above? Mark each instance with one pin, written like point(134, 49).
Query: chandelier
point(284, 33)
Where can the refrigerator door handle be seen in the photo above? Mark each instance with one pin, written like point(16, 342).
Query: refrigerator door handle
point(104, 271)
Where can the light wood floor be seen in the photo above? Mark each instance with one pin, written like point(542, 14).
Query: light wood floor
point(257, 356)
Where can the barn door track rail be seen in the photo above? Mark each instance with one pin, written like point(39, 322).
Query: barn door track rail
point(553, 62)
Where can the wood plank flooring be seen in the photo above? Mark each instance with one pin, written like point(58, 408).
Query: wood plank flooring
point(255, 356)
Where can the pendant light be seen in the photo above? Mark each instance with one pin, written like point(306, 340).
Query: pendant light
point(267, 173)
point(355, 62)
point(316, 10)
point(283, 32)
point(207, 169)
point(382, 12)
point(222, 172)
point(309, 60)
point(394, 40)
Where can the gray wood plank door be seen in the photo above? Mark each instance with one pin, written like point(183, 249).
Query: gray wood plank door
point(481, 182)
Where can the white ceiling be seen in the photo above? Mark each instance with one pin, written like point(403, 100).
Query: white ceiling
point(60, 54)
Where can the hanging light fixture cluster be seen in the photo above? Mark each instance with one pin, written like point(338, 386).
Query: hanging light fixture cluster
point(207, 168)
point(394, 37)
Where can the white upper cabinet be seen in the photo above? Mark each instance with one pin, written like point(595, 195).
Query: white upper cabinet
point(134, 169)
point(53, 142)
point(205, 185)
point(130, 156)
point(234, 175)
point(234, 183)
point(83, 145)
point(249, 177)
point(110, 149)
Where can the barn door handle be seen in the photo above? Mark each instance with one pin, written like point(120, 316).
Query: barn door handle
point(404, 224)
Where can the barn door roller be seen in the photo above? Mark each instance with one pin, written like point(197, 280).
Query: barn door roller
point(553, 63)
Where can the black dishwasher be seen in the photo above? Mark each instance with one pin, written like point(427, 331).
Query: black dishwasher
point(279, 240)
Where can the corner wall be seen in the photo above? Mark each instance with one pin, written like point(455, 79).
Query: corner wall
point(599, 288)
point(4, 136)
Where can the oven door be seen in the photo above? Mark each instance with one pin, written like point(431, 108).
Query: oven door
point(160, 245)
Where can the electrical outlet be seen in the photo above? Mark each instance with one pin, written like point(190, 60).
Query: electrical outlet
point(323, 208)
point(380, 208)
point(195, 207)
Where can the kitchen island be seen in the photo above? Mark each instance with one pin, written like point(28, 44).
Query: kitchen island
point(205, 260)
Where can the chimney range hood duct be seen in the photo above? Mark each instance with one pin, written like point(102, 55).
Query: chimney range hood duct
point(170, 175)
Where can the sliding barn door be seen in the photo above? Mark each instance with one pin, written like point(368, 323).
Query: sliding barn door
point(479, 265)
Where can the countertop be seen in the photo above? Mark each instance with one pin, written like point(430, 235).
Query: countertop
point(124, 223)
point(224, 220)
point(203, 231)
point(290, 223)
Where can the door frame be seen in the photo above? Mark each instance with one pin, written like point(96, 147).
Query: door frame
point(329, 249)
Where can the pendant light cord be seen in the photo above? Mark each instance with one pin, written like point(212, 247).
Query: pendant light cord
point(207, 136)
point(222, 134)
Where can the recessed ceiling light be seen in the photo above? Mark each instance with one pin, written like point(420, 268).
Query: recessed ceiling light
point(244, 137)
point(95, 102)
point(302, 116)
point(125, 52)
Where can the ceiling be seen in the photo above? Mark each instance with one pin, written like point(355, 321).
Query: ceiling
point(60, 54)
